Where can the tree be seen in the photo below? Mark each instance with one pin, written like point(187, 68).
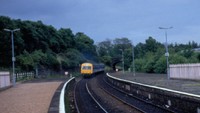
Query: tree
point(151, 45)
point(86, 46)
point(5, 41)
point(198, 56)
point(105, 47)
point(40, 45)
point(160, 66)
point(177, 59)
point(187, 53)
point(149, 65)
point(75, 58)
point(106, 59)
point(122, 43)
point(66, 38)
point(26, 61)
point(104, 50)
point(139, 50)
point(139, 65)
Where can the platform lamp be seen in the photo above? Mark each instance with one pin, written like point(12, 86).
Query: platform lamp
point(166, 47)
point(133, 55)
point(122, 58)
point(13, 54)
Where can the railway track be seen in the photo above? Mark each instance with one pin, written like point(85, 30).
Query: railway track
point(108, 100)
point(85, 102)
point(96, 95)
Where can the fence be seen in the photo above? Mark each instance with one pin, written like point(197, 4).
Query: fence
point(185, 71)
point(44, 73)
point(24, 76)
point(4, 79)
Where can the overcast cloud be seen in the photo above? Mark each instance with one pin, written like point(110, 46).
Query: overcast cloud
point(102, 19)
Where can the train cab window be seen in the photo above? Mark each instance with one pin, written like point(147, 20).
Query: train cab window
point(86, 67)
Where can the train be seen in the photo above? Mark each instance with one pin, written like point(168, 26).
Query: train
point(89, 69)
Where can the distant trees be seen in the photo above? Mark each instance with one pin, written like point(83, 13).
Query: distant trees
point(105, 51)
point(149, 56)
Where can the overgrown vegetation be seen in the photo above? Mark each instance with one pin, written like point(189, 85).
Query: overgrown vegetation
point(42, 46)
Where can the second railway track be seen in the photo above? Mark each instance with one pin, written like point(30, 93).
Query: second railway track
point(110, 103)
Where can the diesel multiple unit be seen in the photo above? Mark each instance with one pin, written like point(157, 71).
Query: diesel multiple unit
point(88, 69)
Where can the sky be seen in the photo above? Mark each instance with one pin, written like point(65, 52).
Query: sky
point(110, 19)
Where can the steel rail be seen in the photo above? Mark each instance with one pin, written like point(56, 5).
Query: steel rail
point(140, 110)
point(95, 99)
point(76, 105)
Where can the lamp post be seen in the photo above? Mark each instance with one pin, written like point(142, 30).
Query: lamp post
point(166, 47)
point(13, 54)
point(122, 59)
point(133, 61)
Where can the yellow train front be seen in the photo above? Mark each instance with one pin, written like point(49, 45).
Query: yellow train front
point(89, 69)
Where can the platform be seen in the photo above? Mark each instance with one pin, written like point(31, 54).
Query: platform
point(160, 80)
point(30, 97)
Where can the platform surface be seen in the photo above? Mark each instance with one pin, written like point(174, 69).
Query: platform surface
point(160, 80)
point(30, 97)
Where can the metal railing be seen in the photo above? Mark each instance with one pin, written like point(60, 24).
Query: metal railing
point(24, 76)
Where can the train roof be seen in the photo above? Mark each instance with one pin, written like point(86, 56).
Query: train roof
point(92, 63)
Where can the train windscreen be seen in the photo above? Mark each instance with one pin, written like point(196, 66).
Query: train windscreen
point(86, 67)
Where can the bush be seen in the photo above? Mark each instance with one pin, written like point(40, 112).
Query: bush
point(177, 59)
point(160, 66)
point(139, 65)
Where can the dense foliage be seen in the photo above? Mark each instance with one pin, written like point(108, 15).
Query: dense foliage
point(42, 46)
point(149, 57)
